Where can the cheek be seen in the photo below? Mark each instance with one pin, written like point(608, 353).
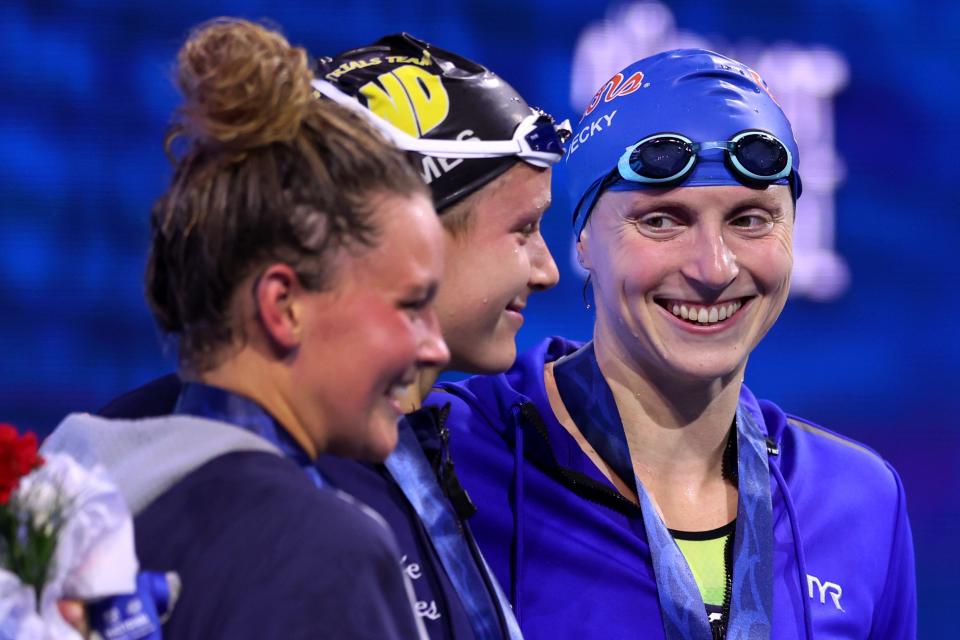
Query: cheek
point(629, 271)
point(481, 276)
point(774, 264)
point(384, 340)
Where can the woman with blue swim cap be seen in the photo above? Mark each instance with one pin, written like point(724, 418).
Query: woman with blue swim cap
point(633, 486)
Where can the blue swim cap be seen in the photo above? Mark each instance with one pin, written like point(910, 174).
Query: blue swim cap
point(700, 94)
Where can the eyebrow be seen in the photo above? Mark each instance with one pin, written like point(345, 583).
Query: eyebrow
point(760, 202)
point(670, 203)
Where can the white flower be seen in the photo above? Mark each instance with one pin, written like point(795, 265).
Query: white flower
point(41, 500)
point(94, 555)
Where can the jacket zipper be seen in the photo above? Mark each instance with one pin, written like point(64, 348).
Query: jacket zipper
point(528, 411)
point(720, 631)
point(464, 531)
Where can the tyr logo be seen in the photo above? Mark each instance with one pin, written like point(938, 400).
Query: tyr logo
point(823, 588)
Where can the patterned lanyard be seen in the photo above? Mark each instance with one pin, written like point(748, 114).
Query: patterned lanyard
point(415, 476)
point(591, 405)
point(219, 404)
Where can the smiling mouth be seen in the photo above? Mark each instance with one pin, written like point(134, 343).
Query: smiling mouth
point(703, 315)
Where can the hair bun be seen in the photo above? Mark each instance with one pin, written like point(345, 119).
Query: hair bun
point(244, 85)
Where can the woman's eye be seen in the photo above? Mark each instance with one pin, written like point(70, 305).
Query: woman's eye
point(529, 229)
point(751, 221)
point(659, 222)
point(415, 306)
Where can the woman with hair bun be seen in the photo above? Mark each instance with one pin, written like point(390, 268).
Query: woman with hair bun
point(294, 260)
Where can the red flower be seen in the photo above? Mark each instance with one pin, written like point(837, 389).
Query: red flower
point(18, 457)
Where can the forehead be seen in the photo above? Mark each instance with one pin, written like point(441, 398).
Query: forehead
point(521, 190)
point(409, 244)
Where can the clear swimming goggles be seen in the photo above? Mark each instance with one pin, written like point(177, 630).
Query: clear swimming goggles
point(537, 140)
point(662, 158)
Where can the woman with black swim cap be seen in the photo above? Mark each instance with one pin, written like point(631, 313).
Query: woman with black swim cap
point(633, 487)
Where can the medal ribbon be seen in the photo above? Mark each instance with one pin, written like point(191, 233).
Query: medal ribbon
point(219, 404)
point(590, 403)
point(415, 476)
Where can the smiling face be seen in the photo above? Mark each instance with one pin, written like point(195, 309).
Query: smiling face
point(688, 280)
point(492, 267)
point(365, 337)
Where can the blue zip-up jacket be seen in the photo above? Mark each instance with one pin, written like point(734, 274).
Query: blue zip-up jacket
point(573, 553)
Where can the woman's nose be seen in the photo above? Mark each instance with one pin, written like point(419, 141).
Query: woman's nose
point(712, 263)
point(432, 350)
point(543, 269)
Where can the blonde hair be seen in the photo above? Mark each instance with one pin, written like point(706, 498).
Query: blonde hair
point(269, 173)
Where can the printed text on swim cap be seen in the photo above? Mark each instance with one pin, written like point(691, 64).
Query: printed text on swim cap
point(589, 130)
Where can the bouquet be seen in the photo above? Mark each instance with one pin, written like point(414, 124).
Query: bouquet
point(65, 533)
point(27, 536)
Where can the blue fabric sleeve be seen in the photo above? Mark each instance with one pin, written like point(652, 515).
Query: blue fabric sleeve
point(897, 609)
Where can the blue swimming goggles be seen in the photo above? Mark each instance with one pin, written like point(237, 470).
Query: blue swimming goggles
point(664, 158)
point(755, 157)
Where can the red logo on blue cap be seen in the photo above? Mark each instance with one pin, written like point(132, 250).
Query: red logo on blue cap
point(762, 83)
point(614, 88)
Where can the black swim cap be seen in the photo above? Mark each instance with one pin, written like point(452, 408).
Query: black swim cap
point(432, 93)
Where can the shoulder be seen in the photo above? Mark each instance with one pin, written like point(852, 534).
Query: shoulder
point(156, 398)
point(824, 451)
point(275, 493)
point(255, 542)
point(827, 471)
point(484, 402)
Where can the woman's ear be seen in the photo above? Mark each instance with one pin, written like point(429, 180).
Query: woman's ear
point(583, 249)
point(276, 293)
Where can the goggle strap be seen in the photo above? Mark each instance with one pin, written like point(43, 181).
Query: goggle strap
point(466, 149)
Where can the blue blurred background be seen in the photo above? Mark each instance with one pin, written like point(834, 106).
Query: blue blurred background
point(866, 346)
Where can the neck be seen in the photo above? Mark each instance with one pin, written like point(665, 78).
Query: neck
point(266, 382)
point(676, 428)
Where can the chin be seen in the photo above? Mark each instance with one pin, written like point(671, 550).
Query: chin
point(705, 369)
point(371, 444)
point(384, 435)
point(487, 358)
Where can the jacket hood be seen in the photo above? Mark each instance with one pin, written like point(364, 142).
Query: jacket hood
point(147, 457)
point(496, 396)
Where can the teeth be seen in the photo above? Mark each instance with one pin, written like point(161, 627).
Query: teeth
point(706, 315)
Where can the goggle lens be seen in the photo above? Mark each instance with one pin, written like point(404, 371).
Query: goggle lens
point(661, 158)
point(760, 154)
